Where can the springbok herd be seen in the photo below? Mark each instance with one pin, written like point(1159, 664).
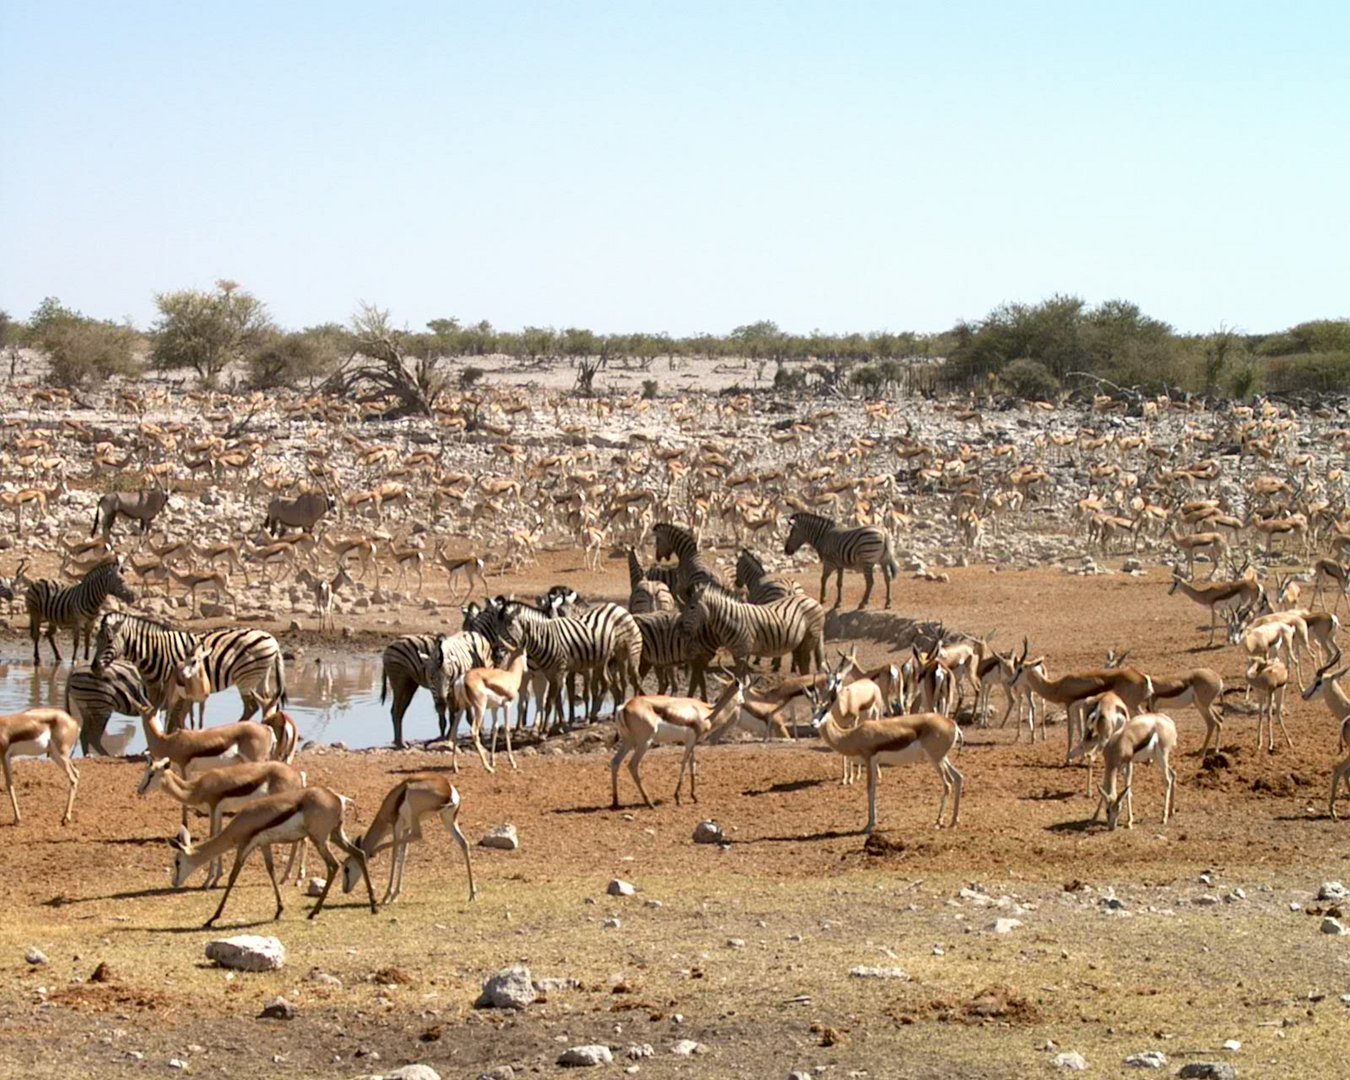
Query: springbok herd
point(291, 502)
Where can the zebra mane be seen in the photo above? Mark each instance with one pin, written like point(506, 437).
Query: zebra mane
point(700, 588)
point(749, 559)
point(678, 530)
point(146, 620)
point(813, 519)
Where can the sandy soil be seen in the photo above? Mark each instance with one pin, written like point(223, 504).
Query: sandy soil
point(750, 950)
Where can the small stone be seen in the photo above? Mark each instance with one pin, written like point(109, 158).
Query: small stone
point(639, 1051)
point(501, 1072)
point(315, 886)
point(1334, 926)
point(1332, 890)
point(1149, 1059)
point(1234, 896)
point(735, 943)
point(510, 988)
point(279, 1009)
point(35, 956)
point(655, 905)
point(688, 1048)
point(582, 1056)
point(1232, 1046)
point(413, 1072)
point(800, 1074)
point(1005, 926)
point(1207, 1070)
point(708, 832)
point(618, 887)
point(322, 978)
point(879, 973)
point(1113, 903)
point(248, 952)
point(1071, 1060)
point(501, 837)
point(177, 1063)
point(612, 923)
point(1205, 900)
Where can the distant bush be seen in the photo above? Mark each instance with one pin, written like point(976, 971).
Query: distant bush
point(1029, 379)
point(82, 352)
point(470, 376)
point(1324, 372)
point(294, 360)
point(789, 381)
point(650, 388)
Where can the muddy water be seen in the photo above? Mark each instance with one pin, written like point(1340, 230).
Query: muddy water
point(333, 698)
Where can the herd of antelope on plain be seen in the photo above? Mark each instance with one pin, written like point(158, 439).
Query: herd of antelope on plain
point(317, 498)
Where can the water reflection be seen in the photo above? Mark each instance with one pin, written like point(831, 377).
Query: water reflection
point(334, 698)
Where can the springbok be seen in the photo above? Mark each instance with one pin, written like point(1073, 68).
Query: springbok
point(1147, 738)
point(33, 732)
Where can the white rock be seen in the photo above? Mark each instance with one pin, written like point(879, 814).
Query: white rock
point(248, 952)
point(315, 886)
point(35, 956)
point(1149, 1059)
point(688, 1048)
point(735, 943)
point(1005, 926)
point(612, 923)
point(638, 1051)
point(412, 1072)
point(879, 973)
point(1332, 890)
point(502, 837)
point(1334, 926)
point(618, 887)
point(510, 988)
point(577, 1056)
point(1071, 1060)
point(708, 832)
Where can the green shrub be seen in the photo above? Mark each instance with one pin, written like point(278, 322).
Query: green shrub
point(83, 352)
point(1324, 372)
point(470, 376)
point(650, 388)
point(789, 382)
point(1029, 379)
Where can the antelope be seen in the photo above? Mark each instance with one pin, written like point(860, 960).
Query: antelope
point(649, 720)
point(1132, 686)
point(1269, 678)
point(399, 822)
point(31, 733)
point(1326, 684)
point(896, 740)
point(311, 813)
point(1210, 543)
point(997, 670)
point(469, 567)
point(195, 579)
point(1199, 687)
point(853, 700)
point(222, 790)
point(489, 688)
point(1327, 571)
point(403, 558)
point(1220, 596)
point(1268, 641)
point(225, 744)
point(1107, 715)
point(1149, 737)
point(361, 547)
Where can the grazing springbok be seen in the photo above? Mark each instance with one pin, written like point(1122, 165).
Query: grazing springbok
point(32, 733)
point(652, 719)
point(399, 822)
point(209, 748)
point(312, 813)
point(1220, 596)
point(1106, 715)
point(1147, 738)
point(218, 791)
point(1326, 683)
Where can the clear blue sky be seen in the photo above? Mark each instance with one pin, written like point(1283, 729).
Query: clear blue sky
point(679, 166)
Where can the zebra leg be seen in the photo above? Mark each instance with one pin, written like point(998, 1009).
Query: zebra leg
point(402, 698)
point(839, 588)
point(51, 640)
point(824, 581)
point(867, 592)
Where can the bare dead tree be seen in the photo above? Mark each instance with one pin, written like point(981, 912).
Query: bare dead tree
point(382, 365)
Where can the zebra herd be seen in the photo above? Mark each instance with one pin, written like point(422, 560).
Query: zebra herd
point(680, 616)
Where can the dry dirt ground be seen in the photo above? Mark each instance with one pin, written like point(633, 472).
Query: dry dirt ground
point(750, 949)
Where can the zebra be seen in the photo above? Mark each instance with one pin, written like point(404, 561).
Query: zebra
point(92, 698)
point(644, 592)
point(558, 647)
point(843, 549)
point(433, 661)
point(665, 647)
point(716, 620)
point(249, 660)
point(75, 605)
point(694, 565)
point(760, 587)
point(623, 666)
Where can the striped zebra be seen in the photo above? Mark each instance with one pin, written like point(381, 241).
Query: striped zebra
point(844, 549)
point(666, 647)
point(646, 593)
point(559, 647)
point(249, 660)
point(717, 620)
point(75, 605)
point(694, 566)
point(93, 698)
point(761, 587)
point(623, 667)
point(432, 661)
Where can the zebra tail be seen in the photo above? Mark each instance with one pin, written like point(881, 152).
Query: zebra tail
point(97, 508)
point(281, 681)
point(890, 564)
point(384, 685)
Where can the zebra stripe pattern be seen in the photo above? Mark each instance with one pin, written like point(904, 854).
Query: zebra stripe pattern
point(432, 662)
point(666, 647)
point(762, 588)
point(644, 592)
point(694, 566)
point(844, 549)
point(716, 619)
point(559, 647)
point(75, 605)
point(92, 698)
point(249, 660)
